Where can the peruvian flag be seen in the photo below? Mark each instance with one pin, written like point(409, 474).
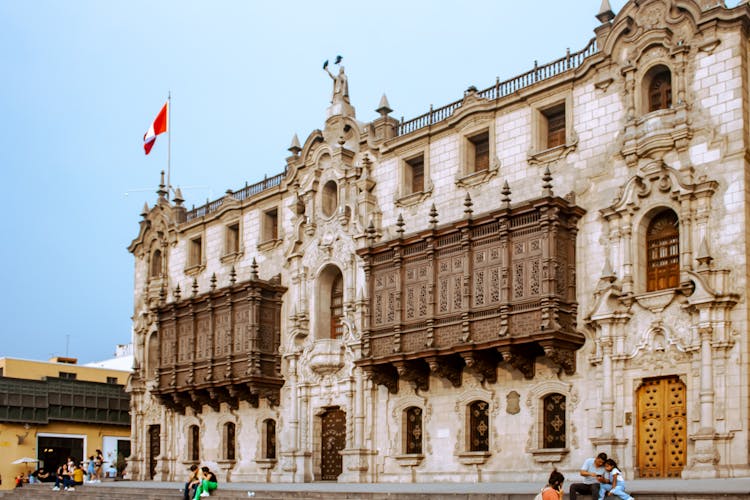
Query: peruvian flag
point(158, 127)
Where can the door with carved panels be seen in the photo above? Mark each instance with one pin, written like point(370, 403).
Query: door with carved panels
point(333, 440)
point(662, 427)
point(154, 448)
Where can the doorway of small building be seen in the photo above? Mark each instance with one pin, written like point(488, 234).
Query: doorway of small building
point(332, 442)
point(154, 448)
point(54, 449)
point(661, 427)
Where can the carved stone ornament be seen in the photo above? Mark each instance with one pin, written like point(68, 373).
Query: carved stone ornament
point(513, 403)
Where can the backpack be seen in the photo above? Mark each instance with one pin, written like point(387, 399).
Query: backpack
point(539, 495)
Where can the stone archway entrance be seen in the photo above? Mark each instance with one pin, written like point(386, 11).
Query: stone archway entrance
point(333, 440)
point(662, 427)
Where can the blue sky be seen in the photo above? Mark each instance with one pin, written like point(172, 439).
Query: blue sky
point(83, 80)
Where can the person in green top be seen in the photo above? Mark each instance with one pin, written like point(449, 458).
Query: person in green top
point(208, 483)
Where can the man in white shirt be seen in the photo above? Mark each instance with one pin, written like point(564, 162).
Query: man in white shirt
point(592, 471)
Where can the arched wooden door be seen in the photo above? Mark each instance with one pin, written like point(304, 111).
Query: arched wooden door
point(662, 427)
point(333, 440)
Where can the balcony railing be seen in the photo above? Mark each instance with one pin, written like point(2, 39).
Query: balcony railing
point(242, 194)
point(502, 89)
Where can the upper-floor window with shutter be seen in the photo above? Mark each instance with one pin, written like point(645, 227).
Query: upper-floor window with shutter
point(663, 252)
point(660, 90)
point(555, 125)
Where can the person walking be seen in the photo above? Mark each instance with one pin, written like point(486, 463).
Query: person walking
point(592, 471)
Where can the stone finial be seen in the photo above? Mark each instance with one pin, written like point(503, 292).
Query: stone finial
point(144, 211)
point(506, 194)
point(400, 225)
point(177, 293)
point(468, 204)
point(178, 199)
point(605, 14)
point(195, 287)
point(433, 216)
point(162, 192)
point(704, 256)
point(370, 232)
point(213, 282)
point(547, 186)
point(254, 270)
point(383, 107)
point(295, 148)
point(232, 276)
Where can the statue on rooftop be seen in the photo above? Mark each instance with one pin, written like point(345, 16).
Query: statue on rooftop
point(340, 83)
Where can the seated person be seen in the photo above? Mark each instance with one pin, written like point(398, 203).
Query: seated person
point(77, 476)
point(208, 484)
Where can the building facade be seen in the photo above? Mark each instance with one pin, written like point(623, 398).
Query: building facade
point(51, 410)
point(552, 266)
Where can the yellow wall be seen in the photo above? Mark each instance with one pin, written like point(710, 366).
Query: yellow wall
point(10, 450)
point(35, 370)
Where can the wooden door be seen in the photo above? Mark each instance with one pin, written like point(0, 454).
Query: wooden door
point(662, 427)
point(333, 440)
point(154, 448)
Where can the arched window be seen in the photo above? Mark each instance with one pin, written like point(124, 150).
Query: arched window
point(479, 426)
point(337, 307)
point(156, 264)
point(413, 430)
point(663, 252)
point(553, 435)
point(229, 441)
point(194, 451)
point(330, 198)
point(660, 90)
point(269, 439)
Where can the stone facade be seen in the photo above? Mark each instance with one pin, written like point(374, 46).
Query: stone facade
point(548, 268)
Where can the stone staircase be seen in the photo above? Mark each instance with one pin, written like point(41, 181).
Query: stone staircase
point(321, 491)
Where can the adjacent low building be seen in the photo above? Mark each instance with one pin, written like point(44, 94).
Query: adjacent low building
point(55, 409)
point(551, 266)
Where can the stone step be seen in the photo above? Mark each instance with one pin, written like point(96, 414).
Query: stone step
point(161, 491)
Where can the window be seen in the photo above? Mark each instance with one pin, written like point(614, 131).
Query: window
point(271, 225)
point(553, 433)
point(415, 174)
point(554, 124)
point(478, 153)
point(232, 244)
point(269, 442)
point(337, 307)
point(660, 90)
point(195, 255)
point(413, 434)
point(663, 252)
point(68, 375)
point(156, 264)
point(194, 444)
point(112, 380)
point(229, 441)
point(479, 426)
point(330, 198)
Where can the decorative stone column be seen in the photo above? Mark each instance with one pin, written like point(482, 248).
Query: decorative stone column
point(356, 459)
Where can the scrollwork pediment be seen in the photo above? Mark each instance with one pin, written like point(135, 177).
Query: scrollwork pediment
point(656, 177)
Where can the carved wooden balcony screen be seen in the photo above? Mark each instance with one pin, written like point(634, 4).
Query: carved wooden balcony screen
point(221, 346)
point(499, 280)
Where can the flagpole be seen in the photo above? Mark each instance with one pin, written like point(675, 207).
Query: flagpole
point(169, 141)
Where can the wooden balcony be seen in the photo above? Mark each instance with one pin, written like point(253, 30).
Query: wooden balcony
point(221, 347)
point(499, 287)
